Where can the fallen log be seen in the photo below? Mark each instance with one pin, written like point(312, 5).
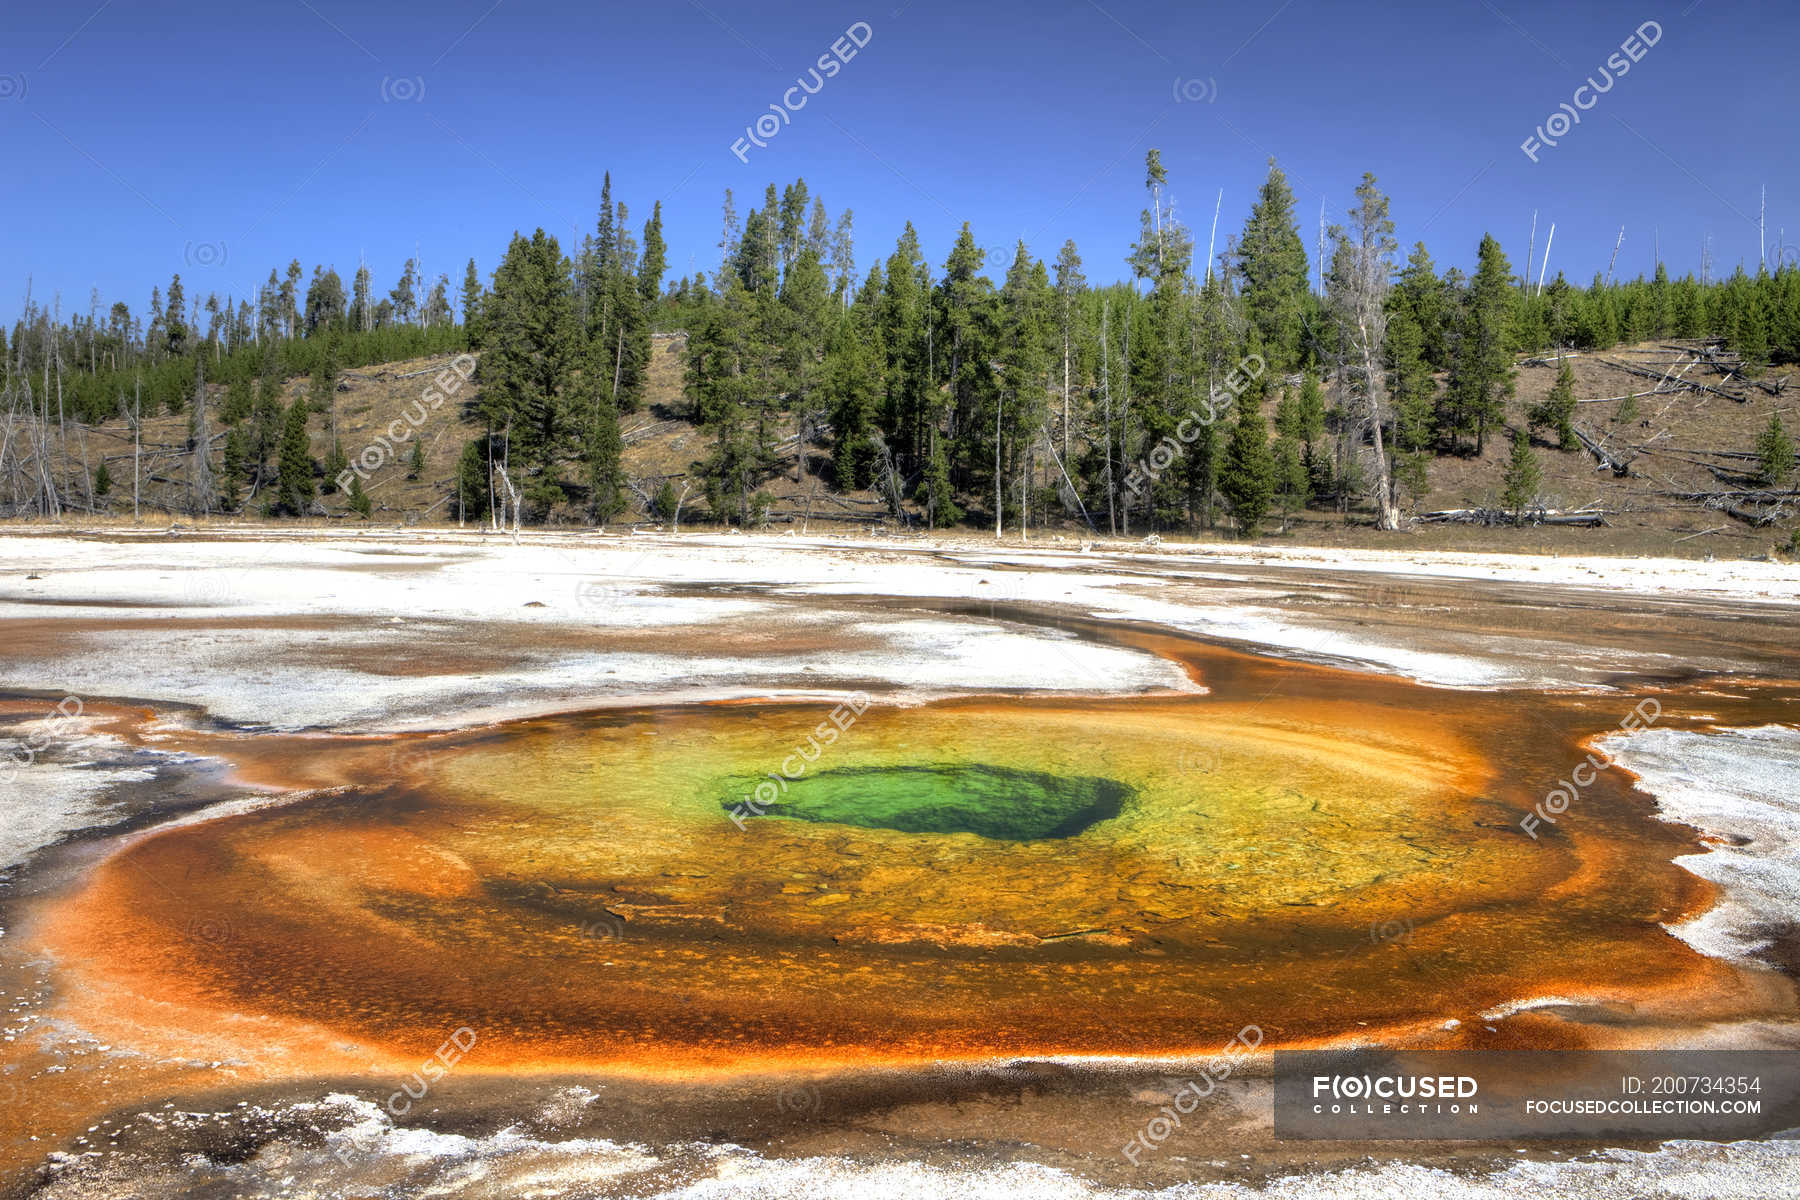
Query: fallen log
point(642, 431)
point(1626, 396)
point(1681, 385)
point(422, 371)
point(794, 515)
point(1755, 518)
point(1714, 453)
point(1501, 516)
point(1712, 499)
point(1618, 466)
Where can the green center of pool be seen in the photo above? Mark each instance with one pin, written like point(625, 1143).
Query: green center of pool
point(991, 802)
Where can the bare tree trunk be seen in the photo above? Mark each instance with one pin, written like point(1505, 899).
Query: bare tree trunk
point(87, 473)
point(999, 497)
point(137, 444)
point(618, 366)
point(1112, 520)
point(1125, 427)
point(512, 492)
point(1384, 483)
point(493, 518)
point(1065, 428)
point(200, 483)
point(1025, 499)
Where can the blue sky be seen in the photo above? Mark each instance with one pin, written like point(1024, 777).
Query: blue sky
point(149, 139)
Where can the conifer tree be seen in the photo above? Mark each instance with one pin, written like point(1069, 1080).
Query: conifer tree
point(527, 368)
point(802, 333)
point(1271, 267)
point(1210, 354)
point(289, 298)
point(324, 301)
point(602, 451)
point(1248, 478)
point(655, 259)
point(175, 321)
point(321, 388)
point(666, 501)
point(405, 296)
point(935, 494)
point(730, 383)
point(1292, 482)
point(963, 336)
point(362, 317)
point(296, 490)
point(471, 306)
point(336, 463)
point(840, 253)
point(1306, 420)
point(791, 230)
point(1165, 362)
point(1522, 477)
point(359, 502)
point(239, 398)
point(236, 469)
point(852, 390)
point(1290, 434)
point(1024, 340)
point(437, 303)
point(1414, 395)
point(1070, 283)
point(1482, 377)
point(473, 494)
point(267, 419)
point(1557, 411)
point(1774, 453)
point(1750, 334)
point(1420, 294)
point(903, 324)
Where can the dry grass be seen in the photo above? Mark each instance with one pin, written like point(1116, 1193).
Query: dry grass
point(662, 444)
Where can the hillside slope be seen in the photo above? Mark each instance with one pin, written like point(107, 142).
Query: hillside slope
point(1678, 445)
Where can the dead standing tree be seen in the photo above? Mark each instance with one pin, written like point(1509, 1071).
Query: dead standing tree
point(200, 478)
point(1358, 282)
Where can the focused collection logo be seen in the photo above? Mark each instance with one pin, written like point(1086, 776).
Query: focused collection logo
point(1394, 1095)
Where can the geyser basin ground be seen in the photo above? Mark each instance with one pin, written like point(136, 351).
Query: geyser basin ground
point(1317, 852)
point(1328, 854)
